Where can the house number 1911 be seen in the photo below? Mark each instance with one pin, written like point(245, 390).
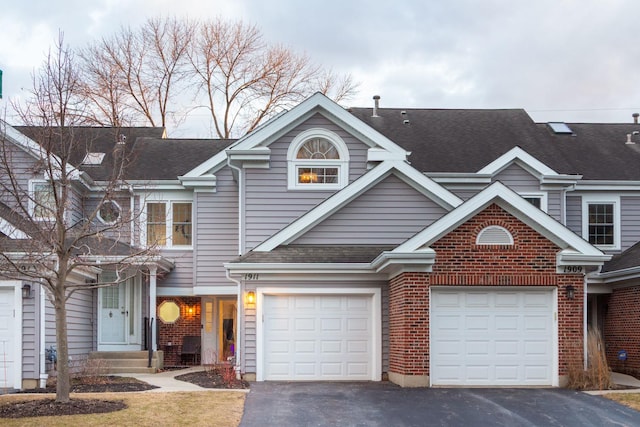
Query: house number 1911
point(573, 269)
point(251, 276)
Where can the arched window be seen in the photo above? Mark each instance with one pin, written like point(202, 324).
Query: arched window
point(318, 159)
point(494, 235)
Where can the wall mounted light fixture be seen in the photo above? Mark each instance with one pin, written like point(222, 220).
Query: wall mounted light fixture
point(250, 298)
point(26, 291)
point(571, 292)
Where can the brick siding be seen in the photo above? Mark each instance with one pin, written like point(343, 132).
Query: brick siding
point(622, 329)
point(531, 261)
point(187, 324)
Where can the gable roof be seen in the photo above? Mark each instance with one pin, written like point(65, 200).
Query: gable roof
point(281, 124)
point(575, 249)
point(467, 140)
point(331, 205)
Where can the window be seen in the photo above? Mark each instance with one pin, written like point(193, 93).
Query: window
point(494, 235)
point(109, 212)
point(42, 201)
point(539, 200)
point(169, 224)
point(318, 159)
point(601, 221)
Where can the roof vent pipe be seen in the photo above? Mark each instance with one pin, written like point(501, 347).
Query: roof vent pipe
point(635, 118)
point(376, 105)
point(629, 141)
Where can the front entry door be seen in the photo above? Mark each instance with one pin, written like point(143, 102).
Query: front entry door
point(219, 323)
point(119, 308)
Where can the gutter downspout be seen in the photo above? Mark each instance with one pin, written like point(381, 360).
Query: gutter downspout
point(239, 308)
point(43, 339)
point(240, 206)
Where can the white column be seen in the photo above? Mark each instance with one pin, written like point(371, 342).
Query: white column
point(152, 305)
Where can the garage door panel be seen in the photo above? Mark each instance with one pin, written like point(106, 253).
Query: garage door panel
point(508, 342)
point(330, 337)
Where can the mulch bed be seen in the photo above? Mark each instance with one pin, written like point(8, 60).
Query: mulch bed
point(49, 407)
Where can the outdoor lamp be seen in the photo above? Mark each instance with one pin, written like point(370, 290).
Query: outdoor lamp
point(251, 298)
point(571, 292)
point(26, 291)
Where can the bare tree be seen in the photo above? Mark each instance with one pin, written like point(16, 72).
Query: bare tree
point(137, 71)
point(58, 239)
point(245, 80)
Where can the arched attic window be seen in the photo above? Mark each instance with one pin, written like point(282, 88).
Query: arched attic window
point(494, 235)
point(318, 159)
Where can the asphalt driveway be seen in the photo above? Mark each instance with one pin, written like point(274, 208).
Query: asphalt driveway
point(298, 404)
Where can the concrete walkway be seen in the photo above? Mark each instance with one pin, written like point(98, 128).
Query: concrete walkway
point(166, 382)
point(621, 380)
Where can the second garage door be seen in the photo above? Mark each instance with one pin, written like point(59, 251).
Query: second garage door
point(318, 337)
point(492, 337)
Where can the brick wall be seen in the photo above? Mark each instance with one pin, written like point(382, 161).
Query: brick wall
point(531, 261)
point(622, 329)
point(187, 324)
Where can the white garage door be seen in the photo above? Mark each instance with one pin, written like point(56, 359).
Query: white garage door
point(318, 337)
point(7, 339)
point(490, 337)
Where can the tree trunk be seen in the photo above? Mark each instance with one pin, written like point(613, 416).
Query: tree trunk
point(63, 380)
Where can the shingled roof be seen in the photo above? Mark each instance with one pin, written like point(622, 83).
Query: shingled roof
point(294, 254)
point(151, 156)
point(466, 140)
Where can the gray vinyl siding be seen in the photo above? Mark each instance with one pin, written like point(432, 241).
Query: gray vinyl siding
point(463, 194)
point(182, 274)
point(630, 221)
point(80, 323)
point(216, 235)
point(121, 234)
point(22, 166)
point(270, 206)
point(574, 214)
point(554, 204)
point(518, 179)
point(387, 214)
point(30, 335)
point(249, 331)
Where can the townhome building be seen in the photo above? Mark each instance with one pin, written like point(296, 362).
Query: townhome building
point(427, 247)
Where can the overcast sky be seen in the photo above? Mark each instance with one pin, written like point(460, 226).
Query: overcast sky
point(561, 60)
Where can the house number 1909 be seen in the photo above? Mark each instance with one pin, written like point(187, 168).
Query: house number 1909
point(573, 269)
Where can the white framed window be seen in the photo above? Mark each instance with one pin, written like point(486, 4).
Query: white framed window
point(494, 235)
point(317, 159)
point(109, 212)
point(601, 220)
point(539, 200)
point(41, 200)
point(168, 224)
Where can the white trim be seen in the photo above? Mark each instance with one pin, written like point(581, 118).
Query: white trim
point(514, 204)
point(376, 321)
point(100, 208)
point(168, 223)
point(11, 231)
point(342, 164)
point(439, 194)
point(32, 197)
point(17, 350)
point(605, 199)
point(518, 155)
point(276, 127)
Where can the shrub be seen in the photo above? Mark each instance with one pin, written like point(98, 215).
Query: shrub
point(597, 375)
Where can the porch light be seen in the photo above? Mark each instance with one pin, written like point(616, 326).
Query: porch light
point(571, 292)
point(250, 299)
point(26, 291)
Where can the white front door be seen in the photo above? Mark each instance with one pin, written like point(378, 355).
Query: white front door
point(489, 337)
point(10, 337)
point(119, 317)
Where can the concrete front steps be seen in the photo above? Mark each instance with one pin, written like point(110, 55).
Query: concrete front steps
point(127, 362)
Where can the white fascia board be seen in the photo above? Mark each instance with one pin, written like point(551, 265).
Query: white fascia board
point(560, 179)
point(215, 290)
point(308, 268)
point(524, 159)
point(618, 275)
point(161, 262)
point(11, 231)
point(440, 195)
point(199, 183)
point(376, 154)
point(607, 185)
point(571, 257)
point(459, 178)
point(394, 263)
point(514, 204)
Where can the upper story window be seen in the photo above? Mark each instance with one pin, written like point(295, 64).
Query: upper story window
point(41, 201)
point(539, 200)
point(601, 221)
point(169, 224)
point(318, 159)
point(109, 212)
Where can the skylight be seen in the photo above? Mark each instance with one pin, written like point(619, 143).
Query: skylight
point(560, 128)
point(93, 159)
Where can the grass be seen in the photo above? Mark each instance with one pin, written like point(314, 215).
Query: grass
point(632, 400)
point(214, 408)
